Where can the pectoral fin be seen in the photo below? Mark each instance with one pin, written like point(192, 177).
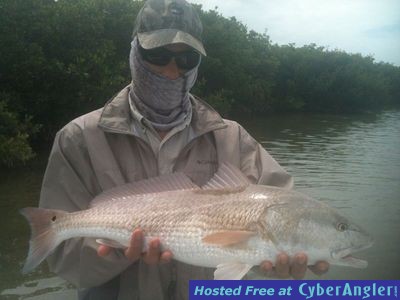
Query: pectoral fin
point(110, 243)
point(231, 271)
point(228, 238)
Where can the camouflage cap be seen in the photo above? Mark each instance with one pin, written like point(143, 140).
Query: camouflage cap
point(164, 22)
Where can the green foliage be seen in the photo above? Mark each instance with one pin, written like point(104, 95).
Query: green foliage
point(238, 62)
point(314, 79)
point(222, 101)
point(60, 59)
point(64, 57)
point(14, 136)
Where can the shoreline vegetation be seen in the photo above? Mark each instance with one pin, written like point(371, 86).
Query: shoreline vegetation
point(60, 59)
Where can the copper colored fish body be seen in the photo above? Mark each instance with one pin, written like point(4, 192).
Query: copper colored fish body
point(227, 224)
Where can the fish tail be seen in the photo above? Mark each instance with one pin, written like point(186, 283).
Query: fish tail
point(43, 237)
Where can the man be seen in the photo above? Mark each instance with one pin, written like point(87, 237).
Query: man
point(152, 127)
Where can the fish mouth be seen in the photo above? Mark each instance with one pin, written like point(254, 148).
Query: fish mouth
point(344, 257)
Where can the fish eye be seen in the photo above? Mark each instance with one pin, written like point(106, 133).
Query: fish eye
point(54, 218)
point(342, 227)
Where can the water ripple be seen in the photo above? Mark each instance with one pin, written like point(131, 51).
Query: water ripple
point(352, 163)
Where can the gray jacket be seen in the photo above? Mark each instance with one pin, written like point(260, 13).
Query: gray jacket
point(108, 147)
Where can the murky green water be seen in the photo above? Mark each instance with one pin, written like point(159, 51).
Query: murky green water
point(352, 162)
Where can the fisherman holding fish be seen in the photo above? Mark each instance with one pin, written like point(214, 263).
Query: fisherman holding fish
point(152, 127)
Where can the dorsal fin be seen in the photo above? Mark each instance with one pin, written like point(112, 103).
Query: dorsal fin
point(163, 183)
point(227, 177)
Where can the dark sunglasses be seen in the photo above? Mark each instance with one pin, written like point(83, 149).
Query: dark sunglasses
point(162, 56)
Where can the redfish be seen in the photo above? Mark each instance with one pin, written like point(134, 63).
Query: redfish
point(228, 224)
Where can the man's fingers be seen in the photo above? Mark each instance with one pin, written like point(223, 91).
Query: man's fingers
point(267, 266)
point(320, 268)
point(103, 250)
point(134, 250)
point(152, 256)
point(166, 257)
point(282, 267)
point(299, 266)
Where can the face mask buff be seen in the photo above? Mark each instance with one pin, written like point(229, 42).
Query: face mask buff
point(165, 103)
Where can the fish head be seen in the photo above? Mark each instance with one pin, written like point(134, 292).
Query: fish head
point(336, 235)
point(347, 239)
point(320, 231)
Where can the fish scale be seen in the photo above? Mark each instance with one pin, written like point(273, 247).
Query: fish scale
point(228, 223)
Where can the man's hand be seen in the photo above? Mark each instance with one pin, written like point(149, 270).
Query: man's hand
point(284, 268)
point(134, 251)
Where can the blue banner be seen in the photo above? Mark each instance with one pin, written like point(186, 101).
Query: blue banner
point(294, 289)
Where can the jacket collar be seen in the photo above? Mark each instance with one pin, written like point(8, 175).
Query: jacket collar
point(116, 116)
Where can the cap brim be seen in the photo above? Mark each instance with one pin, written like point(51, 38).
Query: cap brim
point(162, 37)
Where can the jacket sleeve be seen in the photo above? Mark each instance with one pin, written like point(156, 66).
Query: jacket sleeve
point(236, 146)
point(69, 184)
point(259, 165)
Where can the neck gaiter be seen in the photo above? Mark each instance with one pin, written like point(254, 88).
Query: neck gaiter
point(163, 102)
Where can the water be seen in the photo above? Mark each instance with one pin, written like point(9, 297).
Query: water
point(20, 188)
point(351, 162)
